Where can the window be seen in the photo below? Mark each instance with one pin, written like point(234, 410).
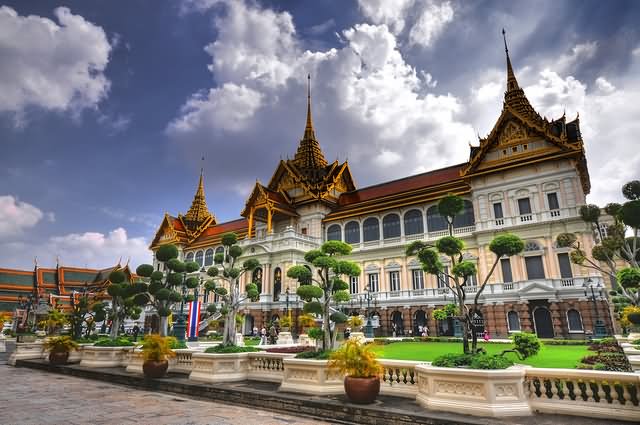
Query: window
point(394, 281)
point(199, 260)
point(524, 206)
point(553, 201)
point(465, 217)
point(565, 266)
point(574, 320)
point(532, 246)
point(443, 279)
point(374, 283)
point(371, 229)
point(435, 222)
point(277, 284)
point(334, 233)
point(505, 264)
point(352, 232)
point(208, 257)
point(497, 210)
point(219, 251)
point(353, 285)
point(513, 321)
point(413, 223)
point(303, 230)
point(391, 226)
point(418, 279)
point(189, 257)
point(472, 280)
point(535, 269)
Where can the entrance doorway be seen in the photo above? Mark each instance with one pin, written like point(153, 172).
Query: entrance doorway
point(396, 323)
point(543, 323)
point(248, 324)
point(419, 322)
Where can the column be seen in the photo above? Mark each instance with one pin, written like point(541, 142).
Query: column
point(406, 320)
point(556, 315)
point(269, 216)
point(526, 324)
point(500, 318)
point(250, 230)
point(432, 323)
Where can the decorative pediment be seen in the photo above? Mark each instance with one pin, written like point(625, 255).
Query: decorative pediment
point(166, 233)
point(537, 287)
point(512, 132)
point(392, 266)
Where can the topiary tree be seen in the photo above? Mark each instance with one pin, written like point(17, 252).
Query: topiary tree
point(617, 252)
point(319, 292)
point(225, 283)
point(85, 310)
point(160, 286)
point(461, 271)
point(125, 301)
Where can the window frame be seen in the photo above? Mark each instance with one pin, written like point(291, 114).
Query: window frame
point(390, 225)
point(413, 221)
point(575, 331)
point(364, 229)
point(346, 232)
point(414, 273)
point(528, 200)
point(339, 233)
point(373, 281)
point(394, 281)
point(509, 322)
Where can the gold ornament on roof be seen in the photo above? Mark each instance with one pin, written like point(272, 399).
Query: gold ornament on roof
point(309, 154)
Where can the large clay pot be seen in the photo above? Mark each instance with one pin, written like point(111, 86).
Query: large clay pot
point(634, 318)
point(362, 390)
point(58, 357)
point(155, 368)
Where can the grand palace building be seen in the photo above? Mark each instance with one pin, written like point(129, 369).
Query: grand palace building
point(528, 176)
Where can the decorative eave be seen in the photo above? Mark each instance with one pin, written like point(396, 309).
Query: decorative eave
point(263, 197)
point(174, 236)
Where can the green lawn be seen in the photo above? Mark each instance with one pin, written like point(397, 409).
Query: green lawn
point(552, 356)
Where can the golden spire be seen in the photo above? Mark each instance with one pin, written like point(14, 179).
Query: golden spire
point(309, 154)
point(514, 97)
point(198, 211)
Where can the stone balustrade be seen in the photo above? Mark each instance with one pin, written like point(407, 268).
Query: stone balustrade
point(182, 362)
point(607, 395)
point(399, 378)
point(267, 367)
point(313, 377)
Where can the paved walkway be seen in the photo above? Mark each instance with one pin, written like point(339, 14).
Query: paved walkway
point(33, 397)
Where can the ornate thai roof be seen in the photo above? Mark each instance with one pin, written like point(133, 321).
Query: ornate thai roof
point(198, 218)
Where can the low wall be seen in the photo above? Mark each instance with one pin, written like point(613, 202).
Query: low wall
point(310, 377)
point(26, 351)
point(93, 356)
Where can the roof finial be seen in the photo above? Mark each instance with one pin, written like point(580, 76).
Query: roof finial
point(308, 129)
point(202, 166)
point(504, 37)
point(512, 83)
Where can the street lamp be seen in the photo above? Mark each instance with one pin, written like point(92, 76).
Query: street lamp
point(24, 304)
point(179, 328)
point(195, 296)
point(600, 330)
point(368, 330)
point(286, 309)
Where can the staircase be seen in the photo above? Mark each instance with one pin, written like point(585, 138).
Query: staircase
point(208, 320)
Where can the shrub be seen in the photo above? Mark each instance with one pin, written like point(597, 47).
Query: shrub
point(61, 344)
point(299, 349)
point(315, 355)
point(157, 348)
point(227, 349)
point(614, 362)
point(355, 321)
point(606, 345)
point(306, 320)
point(452, 360)
point(176, 344)
point(526, 344)
point(9, 332)
point(495, 361)
point(563, 342)
point(316, 333)
point(356, 360)
point(117, 342)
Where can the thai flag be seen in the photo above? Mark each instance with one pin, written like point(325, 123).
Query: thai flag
point(194, 319)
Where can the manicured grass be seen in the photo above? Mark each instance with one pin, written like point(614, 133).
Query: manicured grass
point(550, 356)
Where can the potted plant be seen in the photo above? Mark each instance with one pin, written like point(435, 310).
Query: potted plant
point(355, 323)
point(361, 369)
point(306, 321)
point(156, 350)
point(59, 348)
point(285, 323)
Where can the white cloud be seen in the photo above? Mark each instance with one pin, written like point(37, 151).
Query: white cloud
point(604, 86)
point(322, 27)
point(432, 21)
point(16, 216)
point(388, 12)
point(579, 53)
point(56, 66)
point(90, 249)
point(387, 158)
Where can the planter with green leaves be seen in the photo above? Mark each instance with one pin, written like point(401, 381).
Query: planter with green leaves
point(107, 353)
point(156, 351)
point(361, 371)
point(221, 363)
point(310, 376)
point(26, 337)
point(59, 349)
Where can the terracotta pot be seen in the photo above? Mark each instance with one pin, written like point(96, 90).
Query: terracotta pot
point(634, 318)
point(58, 357)
point(155, 368)
point(362, 390)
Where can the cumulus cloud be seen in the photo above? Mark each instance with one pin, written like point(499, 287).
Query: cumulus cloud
point(367, 100)
point(89, 249)
point(16, 216)
point(53, 65)
point(388, 12)
point(432, 21)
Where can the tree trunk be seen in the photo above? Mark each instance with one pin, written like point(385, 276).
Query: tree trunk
point(229, 337)
point(326, 323)
point(164, 325)
point(115, 324)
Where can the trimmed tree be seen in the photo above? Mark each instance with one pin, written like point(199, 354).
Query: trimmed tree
point(327, 286)
point(160, 286)
point(617, 253)
point(461, 270)
point(225, 283)
point(125, 300)
point(85, 310)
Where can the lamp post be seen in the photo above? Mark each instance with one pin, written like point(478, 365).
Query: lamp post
point(180, 326)
point(600, 330)
point(24, 304)
point(368, 330)
point(286, 309)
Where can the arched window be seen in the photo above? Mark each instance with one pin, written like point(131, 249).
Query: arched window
point(189, 257)
point(391, 226)
point(199, 256)
point(513, 321)
point(219, 250)
point(435, 222)
point(465, 217)
point(532, 246)
point(277, 284)
point(334, 233)
point(208, 257)
point(310, 280)
point(413, 224)
point(256, 277)
point(371, 229)
point(575, 321)
point(352, 232)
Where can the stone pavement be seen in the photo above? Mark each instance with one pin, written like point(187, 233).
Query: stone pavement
point(34, 397)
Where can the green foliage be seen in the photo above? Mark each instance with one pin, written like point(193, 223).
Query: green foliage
point(192, 282)
point(450, 206)
point(324, 262)
point(157, 276)
point(191, 266)
point(163, 294)
point(507, 245)
point(464, 269)
point(356, 360)
point(630, 213)
point(348, 268)
point(526, 344)
point(229, 349)
point(443, 313)
point(336, 248)
point(339, 317)
point(221, 291)
point(174, 279)
point(414, 247)
point(631, 190)
point(117, 342)
point(314, 355)
point(212, 308)
point(590, 213)
point(613, 209)
point(601, 253)
point(176, 265)
point(175, 296)
point(340, 285)
point(157, 348)
point(144, 270)
point(301, 273)
point(117, 276)
point(430, 261)
point(154, 287)
point(565, 240)
point(229, 239)
point(316, 333)
point(164, 311)
point(341, 296)
point(577, 257)
point(60, 344)
point(212, 271)
point(450, 245)
point(452, 360)
point(312, 307)
point(312, 255)
point(218, 258)
point(139, 299)
point(495, 361)
point(629, 277)
point(235, 251)
point(166, 253)
point(251, 264)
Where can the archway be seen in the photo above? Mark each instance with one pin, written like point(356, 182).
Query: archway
point(397, 324)
point(543, 323)
point(419, 322)
point(248, 324)
point(277, 284)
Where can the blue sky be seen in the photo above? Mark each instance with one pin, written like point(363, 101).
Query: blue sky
point(107, 107)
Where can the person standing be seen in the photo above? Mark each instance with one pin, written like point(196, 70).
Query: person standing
point(485, 335)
